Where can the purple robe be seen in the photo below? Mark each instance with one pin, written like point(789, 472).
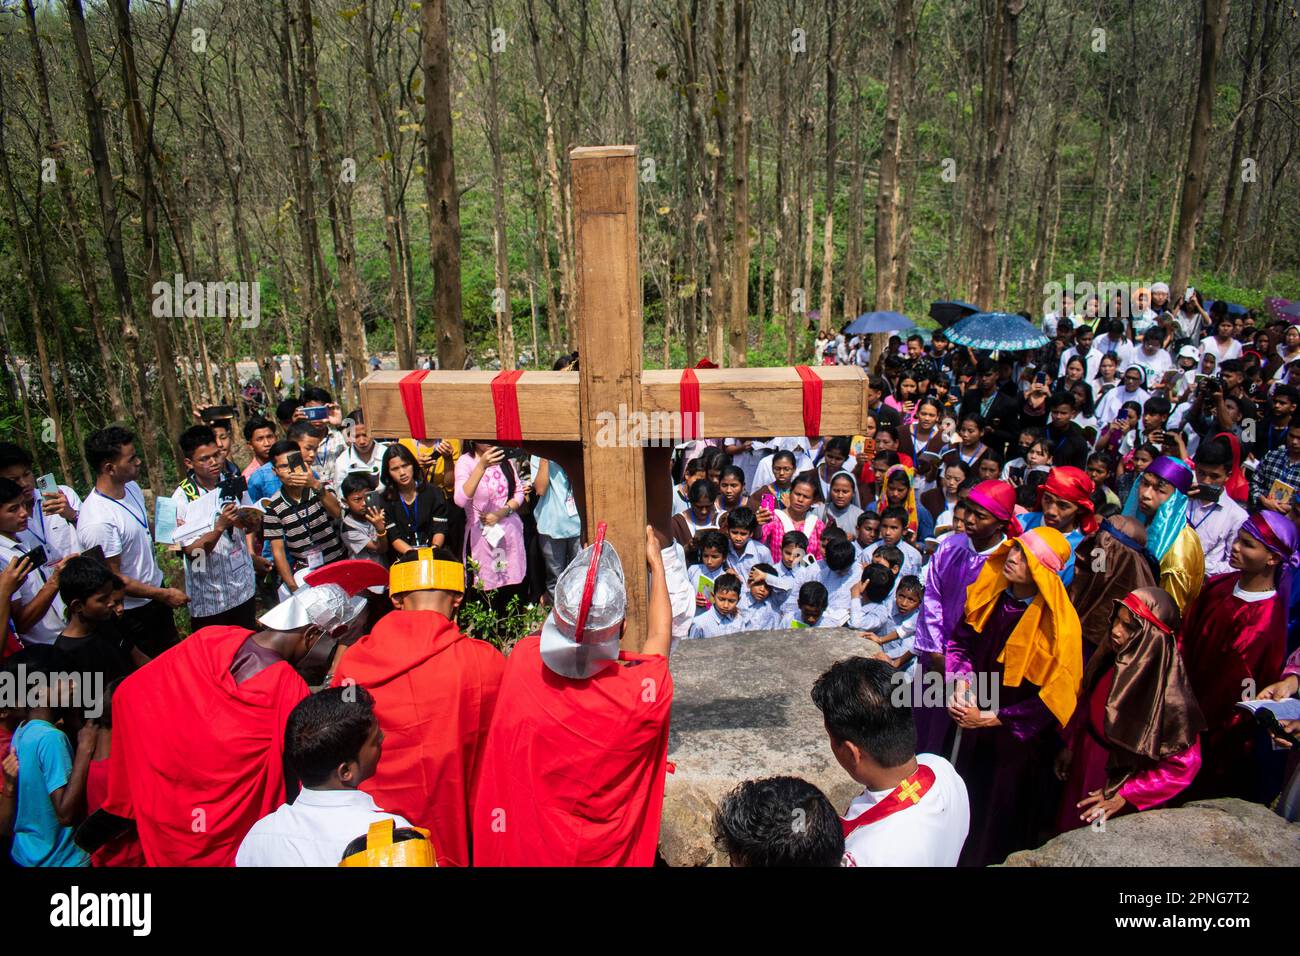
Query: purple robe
point(952, 569)
point(1007, 769)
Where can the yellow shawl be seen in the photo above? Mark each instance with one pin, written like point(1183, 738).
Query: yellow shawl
point(1045, 647)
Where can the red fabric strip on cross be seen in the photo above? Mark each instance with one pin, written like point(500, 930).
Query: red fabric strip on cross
point(812, 401)
point(505, 402)
point(689, 390)
point(413, 403)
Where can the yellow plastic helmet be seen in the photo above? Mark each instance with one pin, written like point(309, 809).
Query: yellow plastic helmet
point(426, 573)
point(380, 850)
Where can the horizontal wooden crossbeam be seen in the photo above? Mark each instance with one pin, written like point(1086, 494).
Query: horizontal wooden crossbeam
point(738, 403)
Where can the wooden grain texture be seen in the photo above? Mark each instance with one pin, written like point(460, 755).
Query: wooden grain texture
point(607, 300)
point(758, 402)
point(459, 405)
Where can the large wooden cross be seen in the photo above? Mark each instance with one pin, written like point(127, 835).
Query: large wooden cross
point(566, 416)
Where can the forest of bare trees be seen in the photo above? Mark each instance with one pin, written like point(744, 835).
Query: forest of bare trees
point(392, 176)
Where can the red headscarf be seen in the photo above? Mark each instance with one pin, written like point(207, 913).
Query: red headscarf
point(1073, 485)
point(998, 498)
point(1237, 487)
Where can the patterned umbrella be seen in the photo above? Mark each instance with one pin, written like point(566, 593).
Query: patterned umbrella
point(996, 332)
point(870, 323)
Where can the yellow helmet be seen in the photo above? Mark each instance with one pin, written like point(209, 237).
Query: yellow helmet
point(380, 850)
point(426, 573)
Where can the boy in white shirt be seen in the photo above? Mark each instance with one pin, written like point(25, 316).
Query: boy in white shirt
point(896, 632)
point(892, 525)
point(871, 606)
point(838, 572)
point(761, 603)
point(363, 453)
point(333, 743)
point(790, 574)
point(913, 810)
point(724, 617)
point(704, 575)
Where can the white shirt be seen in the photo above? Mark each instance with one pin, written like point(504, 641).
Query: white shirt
point(802, 461)
point(50, 624)
point(314, 830)
point(1091, 362)
point(121, 528)
point(53, 532)
point(1108, 408)
point(928, 833)
point(220, 579)
point(1155, 365)
point(839, 589)
point(912, 559)
point(1230, 351)
point(1122, 348)
point(1216, 525)
point(350, 462)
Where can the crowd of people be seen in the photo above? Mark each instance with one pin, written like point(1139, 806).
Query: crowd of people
point(1070, 570)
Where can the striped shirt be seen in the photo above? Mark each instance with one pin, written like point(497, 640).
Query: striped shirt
point(222, 578)
point(310, 535)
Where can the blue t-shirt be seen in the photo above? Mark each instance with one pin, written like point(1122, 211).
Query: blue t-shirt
point(557, 513)
point(1034, 519)
point(44, 765)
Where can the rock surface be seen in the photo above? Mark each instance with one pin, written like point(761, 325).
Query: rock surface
point(1201, 833)
point(742, 710)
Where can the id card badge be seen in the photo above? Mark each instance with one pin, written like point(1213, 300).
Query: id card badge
point(571, 506)
point(315, 558)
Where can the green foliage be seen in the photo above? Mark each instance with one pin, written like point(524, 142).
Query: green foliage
point(477, 618)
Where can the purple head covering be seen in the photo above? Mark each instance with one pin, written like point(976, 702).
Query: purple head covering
point(1172, 470)
point(1277, 533)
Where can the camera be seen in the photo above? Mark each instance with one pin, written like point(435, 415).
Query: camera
point(233, 488)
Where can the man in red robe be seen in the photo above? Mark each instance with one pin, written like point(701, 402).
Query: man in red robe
point(574, 769)
point(1233, 642)
point(434, 691)
point(198, 732)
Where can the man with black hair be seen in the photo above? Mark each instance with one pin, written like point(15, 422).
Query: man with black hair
point(1064, 436)
point(115, 518)
point(53, 523)
point(259, 433)
point(212, 534)
point(35, 608)
point(331, 440)
point(1000, 411)
point(913, 810)
point(299, 524)
point(363, 454)
point(1152, 355)
point(1271, 432)
point(1212, 514)
point(778, 821)
point(333, 743)
point(435, 691)
point(1152, 428)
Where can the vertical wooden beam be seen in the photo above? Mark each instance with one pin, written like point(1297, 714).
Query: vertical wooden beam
point(607, 305)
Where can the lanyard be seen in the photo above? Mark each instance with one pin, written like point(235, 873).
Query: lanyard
point(1209, 510)
point(142, 522)
point(40, 516)
point(973, 458)
point(412, 513)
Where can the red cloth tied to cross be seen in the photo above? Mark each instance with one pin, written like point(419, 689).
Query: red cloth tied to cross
point(812, 401)
point(413, 403)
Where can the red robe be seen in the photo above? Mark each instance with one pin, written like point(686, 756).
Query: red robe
point(574, 769)
point(1229, 646)
point(198, 759)
point(434, 691)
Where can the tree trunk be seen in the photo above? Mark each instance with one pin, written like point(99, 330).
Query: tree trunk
point(1002, 100)
point(886, 247)
point(440, 185)
point(1214, 17)
point(85, 270)
point(827, 324)
point(1268, 43)
point(1227, 218)
point(738, 331)
point(111, 230)
point(141, 129)
point(501, 295)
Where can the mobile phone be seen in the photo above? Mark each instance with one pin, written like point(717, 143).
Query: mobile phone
point(316, 413)
point(768, 504)
point(295, 461)
point(36, 556)
point(1188, 293)
point(218, 413)
point(1207, 493)
point(1040, 378)
point(97, 552)
point(46, 485)
point(232, 488)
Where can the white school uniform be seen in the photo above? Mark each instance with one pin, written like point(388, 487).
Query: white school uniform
point(838, 592)
point(49, 625)
point(744, 562)
point(930, 832)
point(712, 624)
point(314, 830)
point(911, 557)
point(121, 528)
point(760, 615)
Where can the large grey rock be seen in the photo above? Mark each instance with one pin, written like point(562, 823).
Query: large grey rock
point(1202, 833)
point(742, 710)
